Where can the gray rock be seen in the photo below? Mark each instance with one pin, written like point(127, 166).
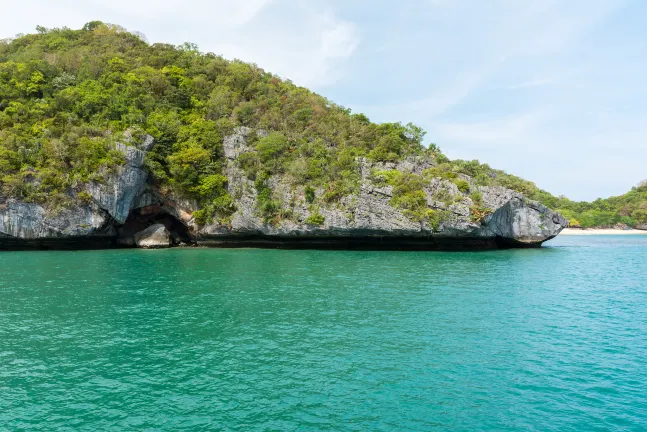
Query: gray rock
point(111, 203)
point(236, 143)
point(117, 193)
point(31, 221)
point(525, 222)
point(514, 220)
point(154, 237)
point(366, 214)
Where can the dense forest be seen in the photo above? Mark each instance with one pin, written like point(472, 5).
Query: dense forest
point(66, 97)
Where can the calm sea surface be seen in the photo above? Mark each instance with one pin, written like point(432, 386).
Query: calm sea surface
point(207, 339)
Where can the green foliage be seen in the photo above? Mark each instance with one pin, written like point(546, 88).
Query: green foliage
point(408, 195)
point(221, 207)
point(267, 207)
point(67, 95)
point(463, 186)
point(309, 194)
point(436, 217)
point(316, 219)
point(442, 195)
point(271, 150)
point(388, 177)
point(397, 141)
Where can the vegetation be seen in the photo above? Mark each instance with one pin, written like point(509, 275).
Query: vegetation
point(409, 196)
point(67, 96)
point(316, 219)
point(309, 194)
point(629, 209)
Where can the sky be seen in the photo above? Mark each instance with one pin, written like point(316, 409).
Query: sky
point(550, 90)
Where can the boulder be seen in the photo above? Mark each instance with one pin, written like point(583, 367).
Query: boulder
point(524, 222)
point(154, 237)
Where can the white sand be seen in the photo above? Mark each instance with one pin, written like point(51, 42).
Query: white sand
point(610, 231)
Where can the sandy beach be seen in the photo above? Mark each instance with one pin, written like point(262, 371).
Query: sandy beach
point(608, 231)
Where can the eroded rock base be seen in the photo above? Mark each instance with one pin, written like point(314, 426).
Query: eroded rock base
point(430, 243)
point(70, 243)
point(143, 218)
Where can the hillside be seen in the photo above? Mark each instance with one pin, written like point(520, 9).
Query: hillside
point(224, 140)
point(629, 209)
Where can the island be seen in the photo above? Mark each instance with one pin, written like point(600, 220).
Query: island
point(109, 141)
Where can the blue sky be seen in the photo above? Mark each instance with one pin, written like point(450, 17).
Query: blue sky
point(551, 90)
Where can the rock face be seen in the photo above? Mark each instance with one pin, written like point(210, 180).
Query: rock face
point(154, 237)
point(117, 193)
point(127, 210)
point(525, 222)
point(369, 220)
point(87, 224)
point(24, 225)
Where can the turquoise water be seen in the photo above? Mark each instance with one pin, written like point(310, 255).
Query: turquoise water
point(208, 339)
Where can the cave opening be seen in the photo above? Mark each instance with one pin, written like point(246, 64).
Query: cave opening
point(141, 218)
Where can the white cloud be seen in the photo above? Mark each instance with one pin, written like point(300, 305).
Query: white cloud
point(308, 46)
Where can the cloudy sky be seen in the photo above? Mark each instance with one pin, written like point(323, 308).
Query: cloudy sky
point(551, 90)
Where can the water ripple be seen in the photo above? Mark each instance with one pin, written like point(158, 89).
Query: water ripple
point(204, 339)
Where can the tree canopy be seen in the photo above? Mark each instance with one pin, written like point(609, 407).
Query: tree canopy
point(67, 95)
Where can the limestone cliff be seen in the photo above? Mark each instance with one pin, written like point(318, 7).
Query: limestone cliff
point(128, 202)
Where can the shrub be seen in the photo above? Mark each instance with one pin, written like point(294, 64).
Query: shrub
point(463, 186)
point(316, 219)
point(271, 150)
point(309, 194)
point(478, 214)
point(267, 207)
point(84, 197)
point(387, 177)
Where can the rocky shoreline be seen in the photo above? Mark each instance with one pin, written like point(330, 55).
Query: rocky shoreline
point(129, 210)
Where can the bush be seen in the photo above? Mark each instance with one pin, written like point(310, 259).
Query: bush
point(315, 219)
point(271, 150)
point(479, 214)
point(267, 207)
point(463, 186)
point(309, 194)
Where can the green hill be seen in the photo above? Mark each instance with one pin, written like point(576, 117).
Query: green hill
point(67, 95)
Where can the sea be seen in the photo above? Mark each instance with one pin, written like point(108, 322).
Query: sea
point(196, 339)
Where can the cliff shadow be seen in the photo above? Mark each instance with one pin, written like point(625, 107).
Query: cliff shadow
point(141, 218)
